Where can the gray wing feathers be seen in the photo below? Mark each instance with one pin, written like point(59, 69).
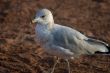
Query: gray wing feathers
point(98, 45)
point(76, 42)
point(72, 40)
point(97, 41)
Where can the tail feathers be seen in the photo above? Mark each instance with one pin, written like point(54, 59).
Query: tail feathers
point(108, 52)
point(100, 46)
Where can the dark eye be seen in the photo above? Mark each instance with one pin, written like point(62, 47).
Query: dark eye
point(43, 16)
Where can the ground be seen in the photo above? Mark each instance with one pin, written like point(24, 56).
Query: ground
point(19, 53)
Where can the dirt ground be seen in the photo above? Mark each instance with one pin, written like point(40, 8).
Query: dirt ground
point(19, 53)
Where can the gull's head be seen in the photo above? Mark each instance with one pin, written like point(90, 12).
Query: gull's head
point(43, 16)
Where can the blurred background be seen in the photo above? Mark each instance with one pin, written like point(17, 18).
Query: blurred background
point(19, 53)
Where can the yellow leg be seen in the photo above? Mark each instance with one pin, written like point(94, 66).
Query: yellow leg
point(55, 65)
point(69, 71)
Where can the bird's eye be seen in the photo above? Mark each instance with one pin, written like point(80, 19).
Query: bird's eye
point(43, 16)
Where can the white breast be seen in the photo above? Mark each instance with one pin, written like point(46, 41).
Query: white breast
point(42, 34)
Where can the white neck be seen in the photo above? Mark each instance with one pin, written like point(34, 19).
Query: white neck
point(43, 33)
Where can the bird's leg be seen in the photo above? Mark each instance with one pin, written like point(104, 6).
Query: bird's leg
point(55, 65)
point(68, 66)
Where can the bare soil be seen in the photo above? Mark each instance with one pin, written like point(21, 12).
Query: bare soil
point(19, 53)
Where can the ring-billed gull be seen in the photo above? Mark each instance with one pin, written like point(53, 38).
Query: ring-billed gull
point(63, 41)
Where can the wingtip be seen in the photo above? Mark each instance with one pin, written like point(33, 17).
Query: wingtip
point(108, 47)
